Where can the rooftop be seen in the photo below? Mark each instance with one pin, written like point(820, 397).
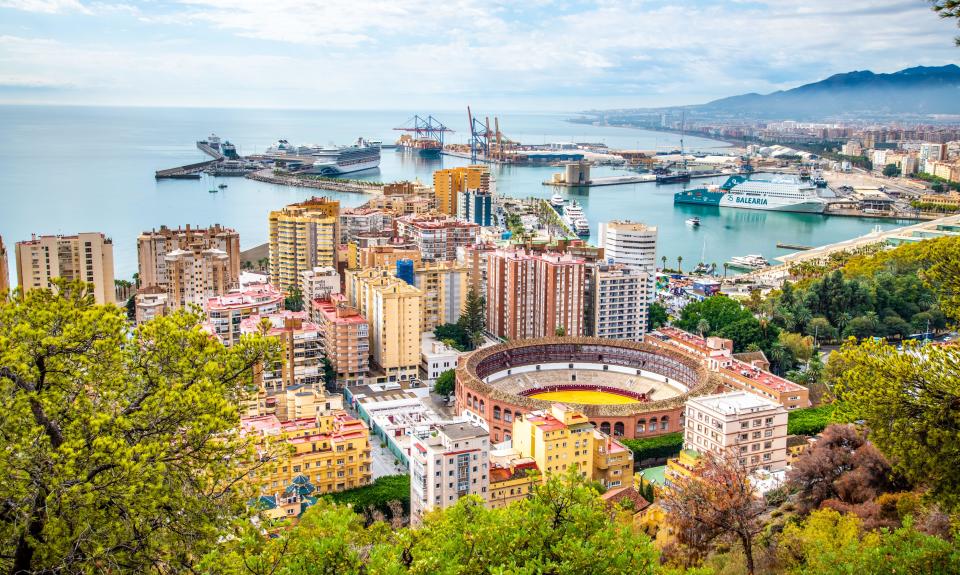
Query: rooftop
point(735, 403)
point(457, 431)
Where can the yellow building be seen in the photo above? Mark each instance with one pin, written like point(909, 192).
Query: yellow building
point(563, 438)
point(444, 285)
point(86, 257)
point(393, 310)
point(302, 237)
point(385, 256)
point(511, 481)
point(949, 199)
point(331, 451)
point(447, 184)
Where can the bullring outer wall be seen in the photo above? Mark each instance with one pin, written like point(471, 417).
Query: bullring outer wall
point(497, 408)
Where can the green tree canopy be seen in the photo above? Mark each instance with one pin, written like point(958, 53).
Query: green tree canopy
point(909, 399)
point(116, 456)
point(446, 383)
point(656, 316)
point(563, 528)
point(725, 317)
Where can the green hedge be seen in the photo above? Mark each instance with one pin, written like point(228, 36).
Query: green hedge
point(658, 447)
point(809, 421)
point(377, 494)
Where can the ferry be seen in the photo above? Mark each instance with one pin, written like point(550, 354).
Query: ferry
point(693, 222)
point(557, 201)
point(782, 195)
point(338, 160)
point(749, 262)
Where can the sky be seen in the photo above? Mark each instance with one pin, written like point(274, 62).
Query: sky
point(521, 55)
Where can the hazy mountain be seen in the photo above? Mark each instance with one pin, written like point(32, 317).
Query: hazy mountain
point(920, 90)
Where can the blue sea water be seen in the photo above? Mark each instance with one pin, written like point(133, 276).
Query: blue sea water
point(72, 169)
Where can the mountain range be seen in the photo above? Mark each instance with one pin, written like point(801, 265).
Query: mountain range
point(921, 90)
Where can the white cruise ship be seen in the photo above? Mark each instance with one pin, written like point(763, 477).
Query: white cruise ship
point(782, 194)
point(345, 159)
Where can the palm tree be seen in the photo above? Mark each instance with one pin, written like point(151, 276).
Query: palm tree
point(725, 266)
point(679, 262)
point(778, 356)
point(703, 326)
point(664, 258)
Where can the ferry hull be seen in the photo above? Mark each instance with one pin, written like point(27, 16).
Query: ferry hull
point(724, 200)
point(336, 170)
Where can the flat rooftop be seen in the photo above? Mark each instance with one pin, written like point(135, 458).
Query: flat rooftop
point(457, 431)
point(735, 403)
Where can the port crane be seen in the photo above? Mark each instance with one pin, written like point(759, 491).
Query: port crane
point(428, 128)
point(483, 140)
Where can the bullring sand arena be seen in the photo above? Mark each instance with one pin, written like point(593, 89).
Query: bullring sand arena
point(628, 389)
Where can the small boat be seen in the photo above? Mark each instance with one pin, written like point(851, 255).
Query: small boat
point(212, 190)
point(693, 222)
point(557, 201)
point(222, 186)
point(749, 262)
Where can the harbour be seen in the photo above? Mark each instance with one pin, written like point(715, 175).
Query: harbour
point(148, 139)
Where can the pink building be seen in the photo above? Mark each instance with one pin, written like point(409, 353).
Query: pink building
point(226, 312)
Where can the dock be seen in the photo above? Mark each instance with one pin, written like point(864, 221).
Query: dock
point(209, 150)
point(268, 176)
point(605, 181)
point(797, 247)
point(187, 172)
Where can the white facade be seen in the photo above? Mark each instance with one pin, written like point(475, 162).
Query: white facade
point(436, 358)
point(621, 298)
point(629, 243)
point(319, 282)
point(447, 463)
point(750, 426)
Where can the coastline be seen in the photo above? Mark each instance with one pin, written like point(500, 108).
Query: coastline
point(729, 143)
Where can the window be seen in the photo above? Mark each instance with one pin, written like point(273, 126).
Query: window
point(496, 412)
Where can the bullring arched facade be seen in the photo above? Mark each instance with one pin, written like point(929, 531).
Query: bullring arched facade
point(487, 386)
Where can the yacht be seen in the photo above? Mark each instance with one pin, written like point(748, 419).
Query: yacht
point(573, 214)
point(333, 161)
point(693, 222)
point(557, 201)
point(750, 262)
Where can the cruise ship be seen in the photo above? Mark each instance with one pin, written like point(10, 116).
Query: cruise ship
point(345, 159)
point(782, 195)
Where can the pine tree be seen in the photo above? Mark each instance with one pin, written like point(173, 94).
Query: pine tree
point(473, 320)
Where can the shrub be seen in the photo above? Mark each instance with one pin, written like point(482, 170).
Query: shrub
point(662, 446)
point(809, 421)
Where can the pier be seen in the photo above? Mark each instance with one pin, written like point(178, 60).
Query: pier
point(797, 247)
point(209, 150)
point(355, 186)
point(187, 172)
point(605, 181)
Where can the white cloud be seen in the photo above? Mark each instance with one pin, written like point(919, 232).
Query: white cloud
point(45, 6)
point(426, 53)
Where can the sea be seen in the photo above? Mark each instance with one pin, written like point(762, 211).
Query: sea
point(69, 169)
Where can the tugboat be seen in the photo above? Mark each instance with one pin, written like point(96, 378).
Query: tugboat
point(222, 186)
point(693, 222)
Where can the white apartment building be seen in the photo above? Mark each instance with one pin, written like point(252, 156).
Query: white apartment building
point(621, 297)
point(753, 427)
point(446, 463)
point(319, 283)
point(436, 357)
point(629, 243)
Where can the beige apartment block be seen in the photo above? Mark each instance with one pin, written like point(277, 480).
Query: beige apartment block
point(195, 275)
point(393, 310)
point(86, 257)
point(303, 236)
point(741, 423)
point(153, 246)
